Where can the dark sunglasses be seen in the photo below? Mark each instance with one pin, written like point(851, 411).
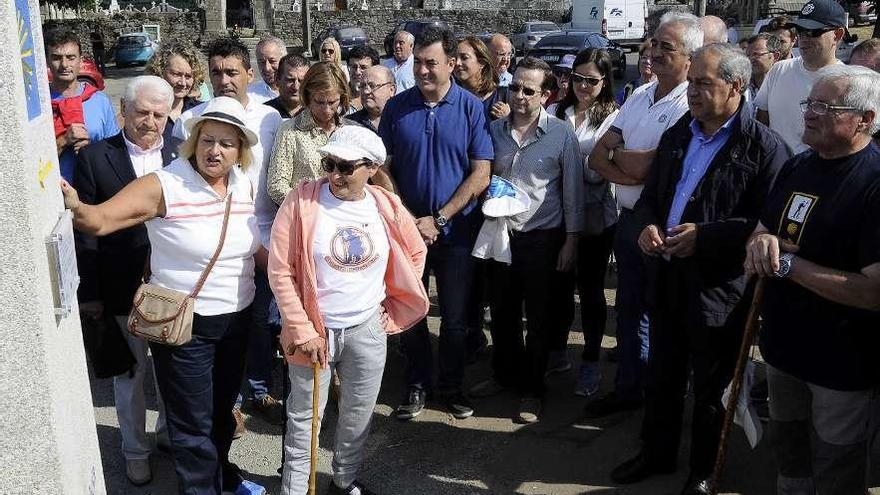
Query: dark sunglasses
point(344, 167)
point(516, 88)
point(576, 79)
point(812, 33)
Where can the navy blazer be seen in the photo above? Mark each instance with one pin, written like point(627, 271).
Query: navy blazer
point(111, 267)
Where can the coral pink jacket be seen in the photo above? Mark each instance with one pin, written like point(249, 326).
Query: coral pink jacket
point(292, 267)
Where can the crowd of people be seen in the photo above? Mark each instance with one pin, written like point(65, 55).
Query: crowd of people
point(323, 197)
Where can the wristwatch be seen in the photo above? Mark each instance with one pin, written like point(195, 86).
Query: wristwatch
point(784, 265)
point(440, 220)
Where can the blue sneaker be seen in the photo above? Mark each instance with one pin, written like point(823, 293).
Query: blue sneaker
point(249, 488)
point(589, 379)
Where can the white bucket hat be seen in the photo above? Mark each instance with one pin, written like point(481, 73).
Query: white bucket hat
point(353, 142)
point(227, 110)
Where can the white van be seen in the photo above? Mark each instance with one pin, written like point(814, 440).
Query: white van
point(622, 21)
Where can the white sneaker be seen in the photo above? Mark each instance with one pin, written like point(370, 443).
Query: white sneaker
point(138, 471)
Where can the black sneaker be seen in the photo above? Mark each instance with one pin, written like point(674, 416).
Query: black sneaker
point(413, 404)
point(355, 488)
point(459, 406)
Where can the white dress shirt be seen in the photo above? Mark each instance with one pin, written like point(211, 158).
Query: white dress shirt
point(261, 92)
point(144, 161)
point(403, 73)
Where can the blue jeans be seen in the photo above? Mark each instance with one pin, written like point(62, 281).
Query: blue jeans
point(199, 381)
point(632, 319)
point(261, 342)
point(453, 268)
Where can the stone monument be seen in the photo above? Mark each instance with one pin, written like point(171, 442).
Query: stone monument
point(48, 439)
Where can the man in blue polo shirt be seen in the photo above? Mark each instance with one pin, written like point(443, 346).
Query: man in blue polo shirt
point(439, 153)
point(82, 115)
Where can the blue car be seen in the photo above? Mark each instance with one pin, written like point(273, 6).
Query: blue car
point(134, 48)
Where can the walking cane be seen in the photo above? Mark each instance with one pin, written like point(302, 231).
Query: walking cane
point(316, 387)
point(736, 383)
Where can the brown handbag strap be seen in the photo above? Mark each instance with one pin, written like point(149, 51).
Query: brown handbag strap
point(207, 270)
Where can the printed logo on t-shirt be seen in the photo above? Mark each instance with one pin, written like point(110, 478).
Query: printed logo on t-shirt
point(351, 250)
point(795, 215)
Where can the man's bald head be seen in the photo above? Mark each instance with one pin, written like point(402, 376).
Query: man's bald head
point(502, 52)
point(714, 30)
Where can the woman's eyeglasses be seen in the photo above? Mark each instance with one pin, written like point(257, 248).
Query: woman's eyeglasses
point(328, 50)
point(345, 167)
point(577, 79)
point(516, 88)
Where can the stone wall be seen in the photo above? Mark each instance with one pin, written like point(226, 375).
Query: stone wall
point(377, 23)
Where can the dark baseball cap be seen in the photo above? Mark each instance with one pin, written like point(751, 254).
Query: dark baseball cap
point(818, 14)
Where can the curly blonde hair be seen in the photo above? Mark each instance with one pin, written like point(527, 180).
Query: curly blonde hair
point(159, 62)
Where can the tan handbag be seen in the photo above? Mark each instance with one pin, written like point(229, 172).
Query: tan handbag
point(164, 315)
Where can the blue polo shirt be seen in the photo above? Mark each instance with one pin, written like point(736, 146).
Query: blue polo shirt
point(432, 149)
point(100, 121)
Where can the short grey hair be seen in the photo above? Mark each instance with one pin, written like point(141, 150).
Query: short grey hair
point(714, 29)
point(862, 88)
point(386, 73)
point(692, 38)
point(733, 65)
point(152, 87)
point(271, 40)
point(408, 35)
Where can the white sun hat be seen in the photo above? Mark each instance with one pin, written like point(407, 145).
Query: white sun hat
point(353, 142)
point(227, 110)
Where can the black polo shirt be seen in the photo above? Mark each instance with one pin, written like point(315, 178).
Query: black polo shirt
point(831, 210)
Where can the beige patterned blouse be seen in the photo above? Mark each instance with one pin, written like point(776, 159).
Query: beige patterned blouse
point(295, 155)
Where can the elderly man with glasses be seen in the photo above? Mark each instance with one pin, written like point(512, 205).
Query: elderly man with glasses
point(817, 246)
point(376, 88)
point(820, 28)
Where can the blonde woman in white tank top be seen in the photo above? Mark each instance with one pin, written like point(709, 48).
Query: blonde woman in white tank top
point(183, 206)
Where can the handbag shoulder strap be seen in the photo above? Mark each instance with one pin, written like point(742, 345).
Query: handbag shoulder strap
point(207, 270)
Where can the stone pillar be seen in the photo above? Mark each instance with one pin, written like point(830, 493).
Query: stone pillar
point(215, 16)
point(48, 440)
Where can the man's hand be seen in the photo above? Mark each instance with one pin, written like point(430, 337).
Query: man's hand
point(428, 228)
point(567, 254)
point(682, 240)
point(76, 135)
point(499, 110)
point(316, 349)
point(762, 254)
point(652, 241)
point(92, 309)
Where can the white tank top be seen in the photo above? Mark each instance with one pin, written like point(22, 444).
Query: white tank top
point(183, 241)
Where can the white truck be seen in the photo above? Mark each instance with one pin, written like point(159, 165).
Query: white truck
point(621, 21)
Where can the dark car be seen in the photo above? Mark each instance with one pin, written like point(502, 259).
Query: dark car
point(414, 28)
point(552, 47)
point(347, 36)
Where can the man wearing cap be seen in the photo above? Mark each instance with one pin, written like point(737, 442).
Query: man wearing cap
point(352, 276)
point(820, 28)
point(624, 156)
point(561, 72)
point(230, 71)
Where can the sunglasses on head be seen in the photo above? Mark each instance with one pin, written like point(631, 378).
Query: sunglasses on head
point(516, 88)
point(576, 79)
point(345, 167)
point(812, 33)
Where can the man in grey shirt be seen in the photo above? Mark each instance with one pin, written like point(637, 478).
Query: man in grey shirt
point(539, 154)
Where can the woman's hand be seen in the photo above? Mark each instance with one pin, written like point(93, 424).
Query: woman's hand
point(316, 349)
point(71, 197)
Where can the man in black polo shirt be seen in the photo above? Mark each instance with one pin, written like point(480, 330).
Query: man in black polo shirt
point(818, 245)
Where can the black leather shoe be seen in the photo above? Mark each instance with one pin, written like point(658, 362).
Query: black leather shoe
point(610, 404)
point(413, 404)
point(696, 486)
point(639, 468)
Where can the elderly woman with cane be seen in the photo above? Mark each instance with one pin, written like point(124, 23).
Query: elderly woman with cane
point(345, 263)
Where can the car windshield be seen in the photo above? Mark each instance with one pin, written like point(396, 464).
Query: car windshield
point(543, 28)
point(573, 40)
point(132, 40)
point(352, 33)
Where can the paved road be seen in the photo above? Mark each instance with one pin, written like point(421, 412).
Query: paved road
point(437, 454)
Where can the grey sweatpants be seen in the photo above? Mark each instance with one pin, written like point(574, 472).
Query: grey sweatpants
point(819, 436)
point(358, 356)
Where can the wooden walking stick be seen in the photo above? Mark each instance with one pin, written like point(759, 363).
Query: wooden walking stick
point(736, 383)
point(316, 391)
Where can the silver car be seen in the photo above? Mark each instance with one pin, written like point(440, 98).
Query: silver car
point(531, 32)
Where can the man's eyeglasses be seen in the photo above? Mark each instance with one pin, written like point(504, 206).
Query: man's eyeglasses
point(581, 79)
point(516, 88)
point(812, 33)
point(758, 54)
point(370, 87)
point(821, 108)
point(345, 167)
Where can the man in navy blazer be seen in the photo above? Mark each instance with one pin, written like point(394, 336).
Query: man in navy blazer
point(111, 267)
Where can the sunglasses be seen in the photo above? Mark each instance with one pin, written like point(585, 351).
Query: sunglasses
point(326, 50)
point(577, 79)
point(345, 167)
point(812, 33)
point(516, 88)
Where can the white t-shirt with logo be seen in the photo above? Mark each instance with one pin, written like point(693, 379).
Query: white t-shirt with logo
point(786, 85)
point(351, 256)
point(642, 122)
